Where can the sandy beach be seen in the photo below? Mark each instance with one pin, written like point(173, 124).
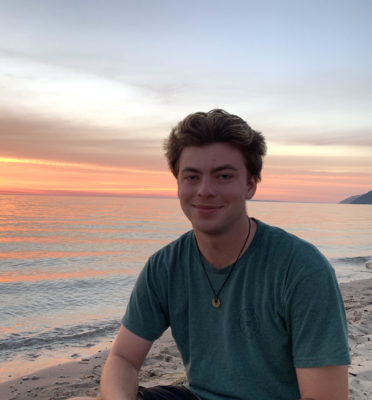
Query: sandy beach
point(163, 364)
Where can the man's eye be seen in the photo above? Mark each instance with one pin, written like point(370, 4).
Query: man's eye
point(224, 177)
point(191, 178)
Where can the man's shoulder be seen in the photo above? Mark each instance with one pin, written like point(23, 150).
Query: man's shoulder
point(171, 258)
point(279, 236)
point(290, 248)
point(175, 248)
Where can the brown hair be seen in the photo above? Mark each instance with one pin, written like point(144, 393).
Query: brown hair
point(202, 129)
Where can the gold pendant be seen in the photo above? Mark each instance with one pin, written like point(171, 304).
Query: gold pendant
point(216, 302)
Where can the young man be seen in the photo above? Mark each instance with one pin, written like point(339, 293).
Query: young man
point(256, 312)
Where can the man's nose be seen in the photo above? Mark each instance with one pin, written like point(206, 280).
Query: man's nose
point(206, 187)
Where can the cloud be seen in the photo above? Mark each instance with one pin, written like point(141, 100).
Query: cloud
point(32, 137)
point(38, 85)
point(318, 136)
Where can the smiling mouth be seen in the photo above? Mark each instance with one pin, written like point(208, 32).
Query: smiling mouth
point(206, 208)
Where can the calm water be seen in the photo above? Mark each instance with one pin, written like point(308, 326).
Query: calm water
point(68, 264)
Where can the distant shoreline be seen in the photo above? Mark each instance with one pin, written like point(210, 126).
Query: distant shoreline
point(65, 193)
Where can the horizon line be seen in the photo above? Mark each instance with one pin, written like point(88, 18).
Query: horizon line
point(78, 193)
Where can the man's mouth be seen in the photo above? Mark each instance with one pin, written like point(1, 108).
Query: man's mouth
point(206, 208)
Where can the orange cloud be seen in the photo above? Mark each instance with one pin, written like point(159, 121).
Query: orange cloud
point(50, 155)
point(286, 182)
point(43, 175)
point(29, 137)
point(77, 166)
point(311, 187)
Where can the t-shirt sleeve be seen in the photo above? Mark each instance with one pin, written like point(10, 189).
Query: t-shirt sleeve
point(146, 314)
point(317, 321)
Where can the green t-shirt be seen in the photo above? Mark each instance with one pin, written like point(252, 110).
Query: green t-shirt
point(280, 309)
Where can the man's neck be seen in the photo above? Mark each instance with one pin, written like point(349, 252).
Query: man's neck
point(222, 250)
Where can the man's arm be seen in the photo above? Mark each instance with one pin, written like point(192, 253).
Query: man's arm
point(323, 383)
point(120, 375)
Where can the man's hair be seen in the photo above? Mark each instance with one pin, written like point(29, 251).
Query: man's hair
point(216, 126)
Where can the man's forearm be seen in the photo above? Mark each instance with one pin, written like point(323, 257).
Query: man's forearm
point(119, 379)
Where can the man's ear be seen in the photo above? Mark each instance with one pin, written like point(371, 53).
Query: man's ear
point(251, 187)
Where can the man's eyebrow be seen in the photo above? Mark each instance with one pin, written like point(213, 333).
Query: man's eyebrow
point(189, 169)
point(214, 170)
point(223, 167)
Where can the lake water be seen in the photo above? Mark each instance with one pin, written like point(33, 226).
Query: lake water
point(68, 264)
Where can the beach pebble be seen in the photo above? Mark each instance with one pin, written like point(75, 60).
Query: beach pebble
point(75, 355)
point(25, 378)
point(369, 264)
point(35, 378)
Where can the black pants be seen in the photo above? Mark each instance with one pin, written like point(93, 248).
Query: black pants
point(178, 392)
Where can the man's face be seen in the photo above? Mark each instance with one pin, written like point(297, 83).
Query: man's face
point(213, 186)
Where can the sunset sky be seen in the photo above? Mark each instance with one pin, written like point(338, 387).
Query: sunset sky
point(90, 89)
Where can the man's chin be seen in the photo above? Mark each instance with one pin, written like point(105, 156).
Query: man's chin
point(208, 228)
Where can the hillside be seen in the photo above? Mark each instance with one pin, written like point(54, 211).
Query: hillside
point(365, 198)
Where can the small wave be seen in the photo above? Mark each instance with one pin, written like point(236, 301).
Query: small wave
point(352, 260)
point(57, 337)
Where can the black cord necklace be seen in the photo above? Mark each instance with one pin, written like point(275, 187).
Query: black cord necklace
point(216, 302)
